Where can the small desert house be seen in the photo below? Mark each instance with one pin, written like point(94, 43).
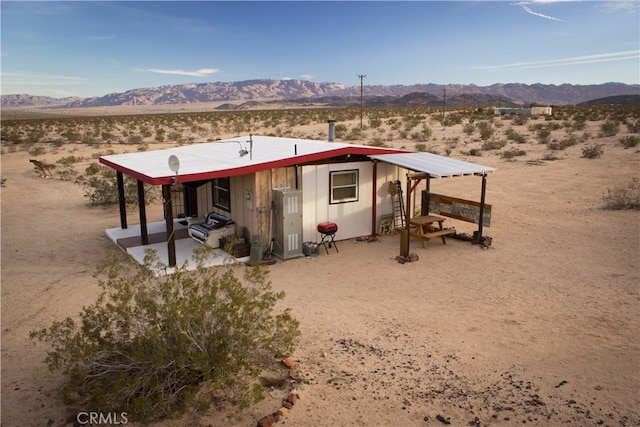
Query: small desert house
point(270, 190)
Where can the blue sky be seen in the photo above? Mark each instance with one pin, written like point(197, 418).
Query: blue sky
point(87, 49)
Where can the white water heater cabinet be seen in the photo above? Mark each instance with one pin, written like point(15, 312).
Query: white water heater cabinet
point(287, 223)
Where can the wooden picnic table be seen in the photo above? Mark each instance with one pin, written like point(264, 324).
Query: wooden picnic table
point(423, 228)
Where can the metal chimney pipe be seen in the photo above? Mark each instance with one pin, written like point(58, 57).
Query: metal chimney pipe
point(332, 129)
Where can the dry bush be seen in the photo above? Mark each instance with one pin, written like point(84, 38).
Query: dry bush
point(154, 346)
point(623, 197)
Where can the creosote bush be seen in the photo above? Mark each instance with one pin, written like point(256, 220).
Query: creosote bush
point(592, 151)
point(154, 346)
point(100, 185)
point(623, 197)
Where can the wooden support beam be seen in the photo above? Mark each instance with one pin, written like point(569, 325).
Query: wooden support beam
point(407, 215)
point(121, 200)
point(482, 199)
point(168, 218)
point(374, 212)
point(142, 209)
point(419, 175)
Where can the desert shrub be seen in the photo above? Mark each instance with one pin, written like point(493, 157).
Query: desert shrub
point(514, 136)
point(486, 130)
point(377, 141)
point(469, 128)
point(37, 150)
point(356, 133)
point(71, 136)
point(609, 128)
point(341, 130)
point(473, 152)
point(99, 183)
point(569, 141)
point(633, 126)
point(543, 134)
point(134, 139)
point(494, 144)
point(375, 123)
point(623, 197)
point(592, 151)
point(549, 157)
point(509, 154)
point(175, 136)
point(421, 147)
point(153, 346)
point(108, 137)
point(629, 141)
point(520, 119)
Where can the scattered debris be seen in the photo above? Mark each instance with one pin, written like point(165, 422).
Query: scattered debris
point(412, 257)
point(442, 419)
point(41, 167)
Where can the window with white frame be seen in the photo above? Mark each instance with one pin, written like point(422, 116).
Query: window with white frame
point(222, 194)
point(343, 186)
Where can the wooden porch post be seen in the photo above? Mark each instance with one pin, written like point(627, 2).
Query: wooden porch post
point(121, 200)
point(374, 198)
point(482, 197)
point(168, 217)
point(407, 214)
point(144, 235)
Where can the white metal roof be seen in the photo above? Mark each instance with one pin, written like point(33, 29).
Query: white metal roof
point(432, 164)
point(223, 158)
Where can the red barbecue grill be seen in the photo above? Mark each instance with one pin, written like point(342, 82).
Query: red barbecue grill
point(328, 231)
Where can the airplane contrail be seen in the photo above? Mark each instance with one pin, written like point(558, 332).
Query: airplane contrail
point(585, 59)
point(528, 10)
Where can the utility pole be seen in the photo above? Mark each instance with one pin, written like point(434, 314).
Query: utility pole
point(361, 76)
point(444, 104)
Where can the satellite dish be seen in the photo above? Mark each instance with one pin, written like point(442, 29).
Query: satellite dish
point(174, 163)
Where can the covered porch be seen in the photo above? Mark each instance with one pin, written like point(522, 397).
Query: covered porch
point(130, 241)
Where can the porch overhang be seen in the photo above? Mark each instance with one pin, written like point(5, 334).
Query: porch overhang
point(433, 165)
point(428, 166)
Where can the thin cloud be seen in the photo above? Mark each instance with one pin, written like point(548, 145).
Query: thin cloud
point(38, 79)
point(13, 83)
point(203, 72)
point(586, 59)
point(620, 6)
point(529, 11)
point(307, 76)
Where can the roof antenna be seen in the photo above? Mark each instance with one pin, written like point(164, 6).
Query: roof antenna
point(250, 147)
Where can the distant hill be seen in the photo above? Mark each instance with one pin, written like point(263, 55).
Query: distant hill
point(235, 94)
point(16, 101)
point(615, 100)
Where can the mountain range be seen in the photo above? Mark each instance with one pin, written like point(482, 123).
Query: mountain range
point(254, 93)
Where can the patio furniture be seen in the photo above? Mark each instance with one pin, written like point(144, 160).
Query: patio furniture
point(424, 229)
point(211, 229)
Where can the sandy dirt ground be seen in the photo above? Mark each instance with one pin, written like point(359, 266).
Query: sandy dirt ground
point(540, 329)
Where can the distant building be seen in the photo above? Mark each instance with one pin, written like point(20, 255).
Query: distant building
point(533, 111)
point(538, 111)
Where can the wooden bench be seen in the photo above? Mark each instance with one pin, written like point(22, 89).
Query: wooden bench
point(426, 236)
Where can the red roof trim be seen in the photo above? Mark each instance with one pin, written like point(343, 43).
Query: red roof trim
point(245, 170)
point(135, 174)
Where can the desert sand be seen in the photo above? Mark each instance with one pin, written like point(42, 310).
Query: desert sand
point(540, 329)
